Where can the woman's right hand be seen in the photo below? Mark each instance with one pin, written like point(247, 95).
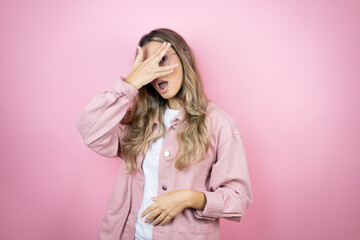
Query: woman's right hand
point(144, 72)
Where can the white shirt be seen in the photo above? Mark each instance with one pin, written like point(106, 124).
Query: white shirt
point(143, 231)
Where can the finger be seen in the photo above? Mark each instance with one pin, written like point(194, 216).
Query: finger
point(153, 214)
point(167, 219)
point(150, 58)
point(139, 54)
point(160, 74)
point(166, 68)
point(148, 209)
point(159, 219)
point(159, 53)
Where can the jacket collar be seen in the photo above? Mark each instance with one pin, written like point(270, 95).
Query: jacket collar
point(179, 117)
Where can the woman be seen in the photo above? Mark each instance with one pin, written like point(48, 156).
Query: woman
point(184, 160)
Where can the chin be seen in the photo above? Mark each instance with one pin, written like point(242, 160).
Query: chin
point(165, 95)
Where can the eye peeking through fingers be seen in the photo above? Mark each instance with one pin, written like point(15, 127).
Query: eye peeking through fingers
point(164, 60)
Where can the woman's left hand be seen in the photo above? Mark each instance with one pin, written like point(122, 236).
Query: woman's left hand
point(167, 206)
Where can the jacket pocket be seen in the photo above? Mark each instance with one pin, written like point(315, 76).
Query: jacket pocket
point(186, 222)
point(114, 219)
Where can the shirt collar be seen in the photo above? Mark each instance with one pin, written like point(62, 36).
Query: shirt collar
point(179, 117)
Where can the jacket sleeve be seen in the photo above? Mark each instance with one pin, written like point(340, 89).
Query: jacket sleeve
point(230, 192)
point(99, 123)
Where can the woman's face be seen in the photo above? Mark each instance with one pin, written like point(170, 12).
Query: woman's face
point(174, 78)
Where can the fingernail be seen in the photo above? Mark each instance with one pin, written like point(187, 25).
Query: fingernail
point(164, 43)
point(175, 64)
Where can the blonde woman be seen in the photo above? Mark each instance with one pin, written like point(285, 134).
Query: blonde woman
point(184, 163)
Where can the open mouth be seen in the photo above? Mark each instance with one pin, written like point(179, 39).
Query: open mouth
point(162, 84)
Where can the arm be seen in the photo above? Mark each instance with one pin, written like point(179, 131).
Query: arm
point(196, 200)
point(229, 184)
point(99, 123)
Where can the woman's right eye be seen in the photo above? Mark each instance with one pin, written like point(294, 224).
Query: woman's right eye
point(164, 58)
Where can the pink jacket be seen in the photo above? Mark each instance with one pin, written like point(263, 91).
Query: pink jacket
point(223, 176)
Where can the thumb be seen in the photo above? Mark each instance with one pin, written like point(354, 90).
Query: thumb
point(139, 53)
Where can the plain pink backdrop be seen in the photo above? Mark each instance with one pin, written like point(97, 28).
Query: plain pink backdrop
point(287, 71)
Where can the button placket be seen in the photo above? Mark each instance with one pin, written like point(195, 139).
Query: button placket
point(166, 176)
point(167, 153)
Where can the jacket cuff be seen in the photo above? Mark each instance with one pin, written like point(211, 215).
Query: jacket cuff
point(120, 87)
point(213, 207)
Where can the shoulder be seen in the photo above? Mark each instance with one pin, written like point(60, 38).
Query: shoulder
point(221, 121)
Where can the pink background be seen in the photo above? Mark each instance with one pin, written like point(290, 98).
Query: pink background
point(287, 71)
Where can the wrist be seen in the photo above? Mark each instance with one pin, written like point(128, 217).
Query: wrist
point(127, 79)
point(189, 200)
point(196, 200)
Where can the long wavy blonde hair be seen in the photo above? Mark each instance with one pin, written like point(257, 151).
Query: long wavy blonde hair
point(149, 104)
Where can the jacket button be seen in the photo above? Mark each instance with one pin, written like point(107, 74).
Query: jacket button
point(166, 154)
point(164, 187)
point(174, 127)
